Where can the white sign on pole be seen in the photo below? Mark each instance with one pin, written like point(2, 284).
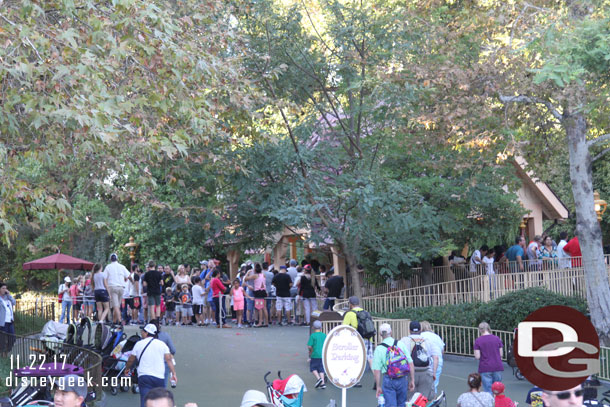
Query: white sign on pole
point(344, 356)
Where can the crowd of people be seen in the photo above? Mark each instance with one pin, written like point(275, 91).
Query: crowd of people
point(258, 296)
point(541, 253)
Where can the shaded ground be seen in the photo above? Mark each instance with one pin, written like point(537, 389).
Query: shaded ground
point(216, 366)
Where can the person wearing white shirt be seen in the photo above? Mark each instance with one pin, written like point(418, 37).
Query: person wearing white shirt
point(117, 276)
point(562, 256)
point(152, 355)
point(198, 299)
point(430, 336)
point(488, 261)
point(7, 319)
point(476, 258)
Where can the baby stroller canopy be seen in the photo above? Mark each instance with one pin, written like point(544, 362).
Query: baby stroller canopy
point(293, 384)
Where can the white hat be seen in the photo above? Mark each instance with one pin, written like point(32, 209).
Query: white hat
point(150, 328)
point(203, 262)
point(67, 280)
point(385, 328)
point(255, 398)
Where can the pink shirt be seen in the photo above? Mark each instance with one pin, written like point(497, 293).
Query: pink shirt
point(259, 282)
point(74, 291)
point(238, 294)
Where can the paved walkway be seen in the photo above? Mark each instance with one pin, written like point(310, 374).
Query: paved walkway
point(216, 366)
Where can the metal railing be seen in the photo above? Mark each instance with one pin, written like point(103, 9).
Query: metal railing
point(482, 288)
point(24, 351)
point(459, 340)
point(455, 273)
point(30, 316)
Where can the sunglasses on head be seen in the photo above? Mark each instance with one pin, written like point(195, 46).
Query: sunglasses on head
point(564, 395)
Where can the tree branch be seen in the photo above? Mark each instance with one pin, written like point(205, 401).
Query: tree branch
point(26, 38)
point(600, 155)
point(532, 100)
point(598, 140)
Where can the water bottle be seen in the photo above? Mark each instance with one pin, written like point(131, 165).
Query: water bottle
point(381, 401)
point(172, 383)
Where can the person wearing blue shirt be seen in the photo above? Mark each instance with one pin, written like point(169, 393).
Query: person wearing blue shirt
point(515, 255)
point(394, 389)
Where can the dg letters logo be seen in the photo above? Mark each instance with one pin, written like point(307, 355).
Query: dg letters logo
point(556, 348)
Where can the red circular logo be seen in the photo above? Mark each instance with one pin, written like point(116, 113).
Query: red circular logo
point(556, 348)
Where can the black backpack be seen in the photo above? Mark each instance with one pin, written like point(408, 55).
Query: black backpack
point(419, 354)
point(366, 326)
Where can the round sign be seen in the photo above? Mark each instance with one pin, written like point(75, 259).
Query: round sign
point(556, 348)
point(344, 356)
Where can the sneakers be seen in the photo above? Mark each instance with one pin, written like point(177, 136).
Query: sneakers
point(318, 383)
point(323, 386)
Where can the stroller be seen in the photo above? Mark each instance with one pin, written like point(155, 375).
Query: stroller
point(286, 392)
point(106, 339)
point(113, 366)
point(511, 361)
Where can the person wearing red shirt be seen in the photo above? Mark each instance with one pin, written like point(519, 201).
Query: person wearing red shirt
point(218, 289)
point(573, 249)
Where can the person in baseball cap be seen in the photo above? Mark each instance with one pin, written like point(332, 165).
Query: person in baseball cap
point(501, 400)
point(255, 398)
point(150, 329)
point(70, 391)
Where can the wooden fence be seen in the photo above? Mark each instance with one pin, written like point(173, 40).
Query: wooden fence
point(457, 273)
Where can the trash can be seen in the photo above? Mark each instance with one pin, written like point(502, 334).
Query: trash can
point(324, 316)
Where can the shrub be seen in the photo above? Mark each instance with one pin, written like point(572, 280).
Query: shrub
point(503, 313)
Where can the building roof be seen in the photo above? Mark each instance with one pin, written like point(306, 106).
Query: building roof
point(552, 207)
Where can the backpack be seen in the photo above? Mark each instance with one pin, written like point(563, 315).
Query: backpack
point(419, 354)
point(366, 326)
point(398, 365)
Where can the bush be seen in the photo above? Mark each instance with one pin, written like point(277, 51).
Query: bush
point(503, 313)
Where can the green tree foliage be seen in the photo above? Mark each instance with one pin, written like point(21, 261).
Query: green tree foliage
point(96, 95)
point(365, 165)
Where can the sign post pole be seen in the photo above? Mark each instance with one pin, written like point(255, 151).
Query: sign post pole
point(344, 358)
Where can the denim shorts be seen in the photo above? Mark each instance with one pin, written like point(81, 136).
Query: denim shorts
point(316, 364)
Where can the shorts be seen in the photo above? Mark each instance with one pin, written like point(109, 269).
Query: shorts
point(186, 310)
point(212, 305)
point(238, 305)
point(133, 303)
point(368, 345)
point(116, 295)
point(316, 364)
point(283, 302)
point(197, 309)
point(260, 294)
point(101, 296)
point(154, 299)
point(259, 303)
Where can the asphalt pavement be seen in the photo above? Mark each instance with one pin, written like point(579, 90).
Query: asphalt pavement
point(216, 366)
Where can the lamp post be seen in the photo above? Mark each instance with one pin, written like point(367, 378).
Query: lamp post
point(600, 205)
point(131, 246)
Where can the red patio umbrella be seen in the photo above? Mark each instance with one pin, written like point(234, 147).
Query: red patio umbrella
point(58, 261)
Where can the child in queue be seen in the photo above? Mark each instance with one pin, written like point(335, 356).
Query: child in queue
point(238, 294)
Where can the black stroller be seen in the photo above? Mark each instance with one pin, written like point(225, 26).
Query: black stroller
point(113, 366)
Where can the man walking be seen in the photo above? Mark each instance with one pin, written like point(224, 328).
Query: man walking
point(351, 318)
point(153, 281)
point(152, 356)
point(394, 388)
point(425, 355)
point(117, 277)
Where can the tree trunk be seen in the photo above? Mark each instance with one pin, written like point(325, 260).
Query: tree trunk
point(587, 228)
point(352, 264)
